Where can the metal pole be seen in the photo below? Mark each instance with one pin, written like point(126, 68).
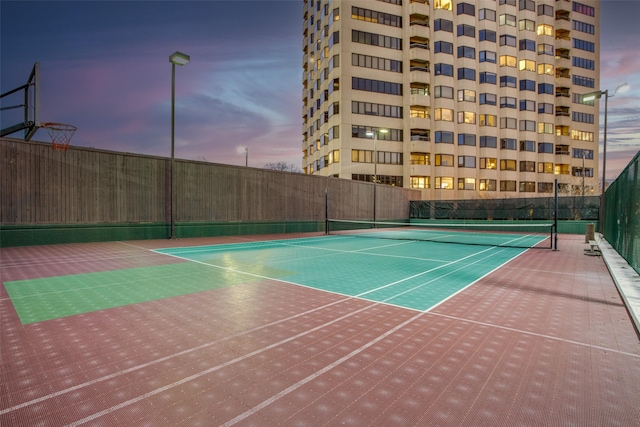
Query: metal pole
point(246, 157)
point(604, 163)
point(173, 109)
point(375, 173)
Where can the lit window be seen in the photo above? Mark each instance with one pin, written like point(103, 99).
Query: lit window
point(544, 30)
point(488, 120)
point(444, 114)
point(443, 4)
point(488, 163)
point(444, 182)
point(466, 117)
point(466, 183)
point(506, 19)
point(467, 95)
point(526, 65)
point(545, 128)
point(420, 182)
point(526, 25)
point(507, 61)
point(546, 69)
point(444, 159)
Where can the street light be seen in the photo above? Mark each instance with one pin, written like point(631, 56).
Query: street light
point(176, 58)
point(374, 134)
point(244, 150)
point(592, 96)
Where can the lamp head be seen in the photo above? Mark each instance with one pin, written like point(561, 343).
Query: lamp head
point(624, 87)
point(179, 58)
point(591, 96)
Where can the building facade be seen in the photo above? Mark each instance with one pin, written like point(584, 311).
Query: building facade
point(461, 99)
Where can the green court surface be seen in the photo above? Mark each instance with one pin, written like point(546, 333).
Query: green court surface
point(411, 274)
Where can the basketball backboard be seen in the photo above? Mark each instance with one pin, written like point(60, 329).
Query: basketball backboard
point(24, 100)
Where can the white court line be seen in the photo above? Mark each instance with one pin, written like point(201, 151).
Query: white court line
point(165, 358)
point(535, 334)
point(215, 368)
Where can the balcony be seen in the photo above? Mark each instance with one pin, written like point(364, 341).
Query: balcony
point(563, 58)
point(563, 6)
point(420, 55)
point(420, 96)
point(563, 42)
point(419, 7)
point(419, 41)
point(420, 170)
point(563, 73)
point(563, 24)
point(419, 122)
point(563, 118)
point(420, 75)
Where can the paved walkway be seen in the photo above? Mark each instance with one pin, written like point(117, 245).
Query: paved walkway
point(625, 277)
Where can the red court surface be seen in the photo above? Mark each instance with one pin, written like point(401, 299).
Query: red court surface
point(542, 341)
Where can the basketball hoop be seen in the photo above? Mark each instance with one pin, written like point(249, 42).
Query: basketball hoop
point(60, 134)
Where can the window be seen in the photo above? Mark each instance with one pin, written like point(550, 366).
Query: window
point(444, 114)
point(527, 187)
point(508, 81)
point(488, 120)
point(443, 47)
point(544, 30)
point(376, 86)
point(466, 183)
point(506, 40)
point(526, 25)
point(527, 166)
point(488, 99)
point(527, 5)
point(444, 137)
point(419, 158)
point(465, 30)
point(467, 139)
point(507, 102)
point(545, 9)
point(466, 9)
point(444, 160)
point(545, 167)
point(443, 4)
point(487, 185)
point(506, 19)
point(466, 117)
point(487, 35)
point(487, 56)
point(527, 145)
point(375, 62)
point(443, 92)
point(584, 27)
point(466, 74)
point(467, 95)
point(583, 81)
point(546, 69)
point(376, 40)
point(507, 165)
point(467, 161)
point(545, 147)
point(545, 128)
point(486, 77)
point(444, 182)
point(507, 186)
point(487, 14)
point(546, 88)
point(583, 63)
point(545, 49)
point(528, 85)
point(527, 125)
point(526, 44)
point(488, 142)
point(577, 153)
point(507, 143)
point(582, 117)
point(488, 163)
point(377, 17)
point(580, 135)
point(420, 182)
point(527, 105)
point(584, 45)
point(584, 9)
point(508, 61)
point(545, 108)
point(466, 52)
point(444, 70)
point(509, 2)
point(508, 123)
point(443, 25)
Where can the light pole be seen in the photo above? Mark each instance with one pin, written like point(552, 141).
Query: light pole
point(592, 96)
point(176, 58)
point(244, 150)
point(374, 134)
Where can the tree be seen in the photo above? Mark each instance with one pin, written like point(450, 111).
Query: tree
point(283, 166)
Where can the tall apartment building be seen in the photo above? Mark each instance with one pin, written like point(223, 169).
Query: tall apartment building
point(461, 99)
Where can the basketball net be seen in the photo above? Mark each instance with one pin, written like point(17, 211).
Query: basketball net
point(60, 134)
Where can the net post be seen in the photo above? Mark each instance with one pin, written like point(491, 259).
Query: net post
point(554, 229)
point(326, 210)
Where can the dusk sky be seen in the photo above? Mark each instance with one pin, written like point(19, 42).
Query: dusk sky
point(104, 67)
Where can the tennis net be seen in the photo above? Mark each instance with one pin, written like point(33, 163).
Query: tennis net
point(514, 235)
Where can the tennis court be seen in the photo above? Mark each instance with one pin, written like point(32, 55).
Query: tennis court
point(315, 330)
